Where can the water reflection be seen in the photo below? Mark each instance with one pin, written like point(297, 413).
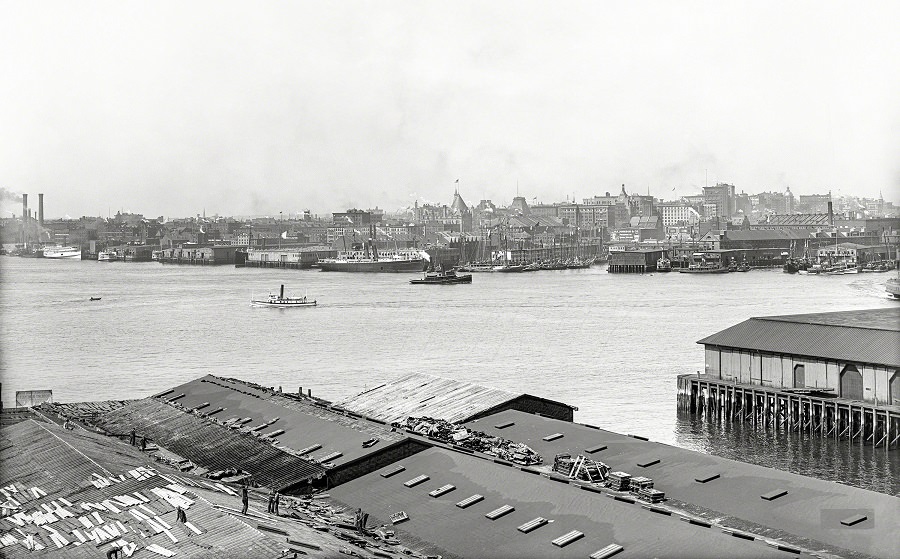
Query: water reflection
point(841, 461)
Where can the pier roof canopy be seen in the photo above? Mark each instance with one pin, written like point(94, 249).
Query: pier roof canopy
point(422, 395)
point(515, 514)
point(865, 336)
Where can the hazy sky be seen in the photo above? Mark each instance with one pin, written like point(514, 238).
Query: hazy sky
point(170, 108)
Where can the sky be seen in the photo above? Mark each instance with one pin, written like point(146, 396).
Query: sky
point(253, 108)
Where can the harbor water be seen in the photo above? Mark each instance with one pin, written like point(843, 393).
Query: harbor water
point(611, 344)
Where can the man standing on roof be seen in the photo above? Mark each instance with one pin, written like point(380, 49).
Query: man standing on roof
point(245, 499)
point(133, 436)
point(144, 442)
point(180, 515)
point(271, 505)
point(275, 499)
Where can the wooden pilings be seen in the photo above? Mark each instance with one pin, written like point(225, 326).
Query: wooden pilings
point(769, 407)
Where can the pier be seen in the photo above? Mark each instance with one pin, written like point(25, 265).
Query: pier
point(803, 411)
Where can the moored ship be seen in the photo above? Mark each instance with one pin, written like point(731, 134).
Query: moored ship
point(441, 277)
point(375, 261)
point(107, 256)
point(67, 253)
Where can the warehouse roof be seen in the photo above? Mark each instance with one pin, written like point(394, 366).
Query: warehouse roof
point(539, 512)
point(49, 469)
point(209, 445)
point(811, 510)
point(305, 425)
point(421, 395)
point(867, 336)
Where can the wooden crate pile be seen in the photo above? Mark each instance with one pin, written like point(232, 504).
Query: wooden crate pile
point(619, 481)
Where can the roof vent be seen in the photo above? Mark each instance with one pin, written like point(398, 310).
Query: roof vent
point(504, 425)
point(417, 480)
point(443, 490)
point(567, 538)
point(470, 501)
point(772, 495)
point(330, 457)
point(497, 513)
point(393, 471)
point(594, 449)
point(607, 551)
point(706, 479)
point(532, 525)
point(553, 437)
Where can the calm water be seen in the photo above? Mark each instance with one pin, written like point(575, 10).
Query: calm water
point(610, 344)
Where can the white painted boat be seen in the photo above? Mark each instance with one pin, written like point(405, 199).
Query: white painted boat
point(67, 253)
point(279, 301)
point(107, 256)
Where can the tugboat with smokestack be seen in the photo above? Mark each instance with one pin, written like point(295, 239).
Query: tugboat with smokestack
point(281, 302)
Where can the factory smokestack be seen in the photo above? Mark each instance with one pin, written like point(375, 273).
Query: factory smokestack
point(24, 207)
point(41, 209)
point(830, 214)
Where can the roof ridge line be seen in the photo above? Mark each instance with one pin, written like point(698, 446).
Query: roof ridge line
point(91, 460)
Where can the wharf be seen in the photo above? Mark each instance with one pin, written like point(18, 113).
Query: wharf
point(808, 411)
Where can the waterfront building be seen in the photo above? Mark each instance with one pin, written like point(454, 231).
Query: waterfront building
point(678, 214)
point(817, 222)
point(722, 197)
point(834, 375)
point(854, 354)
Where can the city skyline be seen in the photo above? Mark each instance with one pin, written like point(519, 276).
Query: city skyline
point(167, 109)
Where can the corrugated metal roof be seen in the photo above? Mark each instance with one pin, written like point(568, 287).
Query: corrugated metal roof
point(304, 424)
point(422, 395)
point(465, 531)
point(61, 463)
point(207, 444)
point(809, 512)
point(871, 336)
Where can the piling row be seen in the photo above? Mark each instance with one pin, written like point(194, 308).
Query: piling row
point(767, 407)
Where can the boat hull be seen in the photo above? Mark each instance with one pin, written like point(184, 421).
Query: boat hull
point(282, 305)
point(704, 271)
point(373, 266)
point(64, 253)
point(443, 281)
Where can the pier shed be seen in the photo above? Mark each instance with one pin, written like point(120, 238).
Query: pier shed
point(345, 445)
point(714, 487)
point(853, 354)
point(634, 261)
point(422, 395)
point(460, 505)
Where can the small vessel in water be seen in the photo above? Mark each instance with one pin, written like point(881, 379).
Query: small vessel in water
point(63, 253)
point(95, 298)
point(476, 267)
point(893, 287)
point(664, 265)
point(704, 268)
point(107, 256)
point(441, 277)
point(282, 302)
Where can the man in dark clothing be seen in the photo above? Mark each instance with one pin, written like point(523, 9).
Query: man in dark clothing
point(133, 436)
point(144, 442)
point(275, 501)
point(113, 552)
point(180, 515)
point(271, 504)
point(245, 499)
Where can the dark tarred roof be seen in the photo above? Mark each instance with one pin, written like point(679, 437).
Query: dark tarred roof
point(867, 336)
point(209, 445)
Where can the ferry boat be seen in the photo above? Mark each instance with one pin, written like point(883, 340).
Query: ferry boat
point(893, 287)
point(375, 261)
point(476, 267)
point(67, 253)
point(441, 277)
point(704, 268)
point(663, 265)
point(282, 302)
point(107, 256)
